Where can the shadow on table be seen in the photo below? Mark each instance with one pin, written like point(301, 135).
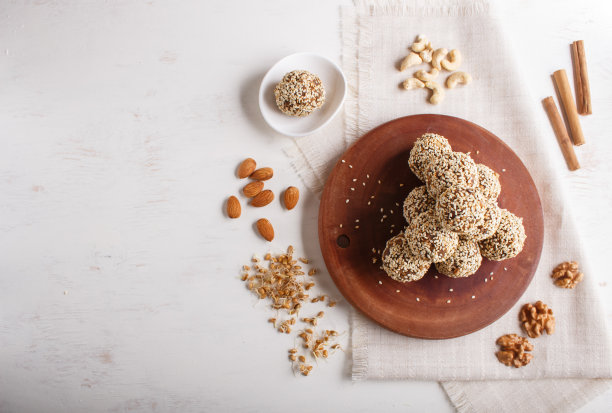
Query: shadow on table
point(249, 101)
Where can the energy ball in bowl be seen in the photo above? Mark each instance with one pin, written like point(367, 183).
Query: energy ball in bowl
point(464, 262)
point(507, 241)
point(487, 227)
point(460, 209)
point(429, 240)
point(450, 169)
point(400, 263)
point(417, 202)
point(299, 93)
point(426, 148)
point(488, 182)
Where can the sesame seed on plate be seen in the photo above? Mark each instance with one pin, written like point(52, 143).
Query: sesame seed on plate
point(397, 291)
point(340, 225)
point(356, 220)
point(448, 301)
point(369, 202)
point(352, 189)
point(379, 181)
point(347, 201)
point(351, 166)
point(486, 280)
point(418, 299)
point(380, 282)
point(368, 176)
point(343, 161)
point(473, 297)
point(354, 179)
point(450, 289)
point(491, 273)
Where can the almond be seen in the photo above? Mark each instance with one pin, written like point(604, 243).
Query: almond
point(233, 207)
point(246, 168)
point(263, 198)
point(252, 189)
point(291, 197)
point(262, 174)
point(265, 229)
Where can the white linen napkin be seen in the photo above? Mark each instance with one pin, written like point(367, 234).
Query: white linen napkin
point(375, 37)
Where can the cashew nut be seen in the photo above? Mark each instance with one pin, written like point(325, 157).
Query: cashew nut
point(413, 83)
point(458, 78)
point(452, 60)
point(420, 44)
point(410, 60)
point(438, 92)
point(425, 76)
point(437, 57)
point(426, 55)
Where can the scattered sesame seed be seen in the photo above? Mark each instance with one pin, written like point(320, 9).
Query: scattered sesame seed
point(392, 225)
point(381, 210)
point(384, 216)
point(390, 231)
point(354, 179)
point(380, 282)
point(351, 166)
point(340, 225)
point(368, 176)
point(343, 161)
point(347, 200)
point(356, 220)
point(491, 273)
point(352, 189)
point(450, 289)
point(397, 204)
point(397, 291)
point(418, 299)
point(503, 170)
point(65, 292)
point(401, 185)
point(363, 183)
point(505, 269)
point(477, 152)
point(391, 210)
point(435, 276)
point(491, 278)
point(447, 301)
point(356, 226)
point(381, 220)
point(486, 280)
point(374, 250)
point(378, 251)
point(379, 181)
point(473, 297)
point(372, 197)
point(369, 202)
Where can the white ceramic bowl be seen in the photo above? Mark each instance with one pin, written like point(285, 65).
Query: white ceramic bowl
point(335, 91)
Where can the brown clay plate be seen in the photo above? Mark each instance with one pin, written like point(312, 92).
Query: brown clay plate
point(348, 232)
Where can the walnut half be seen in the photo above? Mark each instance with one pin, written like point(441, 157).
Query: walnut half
point(567, 275)
point(537, 318)
point(513, 350)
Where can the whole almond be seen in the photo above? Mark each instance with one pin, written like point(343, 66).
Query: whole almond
point(291, 197)
point(253, 188)
point(262, 174)
point(246, 168)
point(265, 229)
point(233, 207)
point(263, 198)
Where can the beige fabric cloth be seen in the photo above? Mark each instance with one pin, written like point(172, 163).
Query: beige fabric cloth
point(375, 38)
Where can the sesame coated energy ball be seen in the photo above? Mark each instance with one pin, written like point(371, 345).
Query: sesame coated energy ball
point(299, 93)
point(450, 169)
point(464, 262)
point(487, 227)
point(426, 148)
point(400, 263)
point(417, 202)
point(429, 240)
point(460, 209)
point(507, 241)
point(488, 182)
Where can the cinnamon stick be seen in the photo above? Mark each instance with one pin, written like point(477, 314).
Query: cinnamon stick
point(581, 78)
point(566, 100)
point(561, 133)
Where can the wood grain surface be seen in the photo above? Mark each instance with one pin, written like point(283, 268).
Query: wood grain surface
point(373, 176)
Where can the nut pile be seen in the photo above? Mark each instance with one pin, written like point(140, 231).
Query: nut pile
point(567, 274)
point(453, 220)
point(282, 280)
point(259, 197)
point(421, 51)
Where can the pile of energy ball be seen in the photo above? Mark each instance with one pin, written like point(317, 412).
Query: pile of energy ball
point(453, 220)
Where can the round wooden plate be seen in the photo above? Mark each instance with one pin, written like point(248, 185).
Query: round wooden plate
point(361, 209)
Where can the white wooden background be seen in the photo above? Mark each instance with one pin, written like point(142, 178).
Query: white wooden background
point(121, 123)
